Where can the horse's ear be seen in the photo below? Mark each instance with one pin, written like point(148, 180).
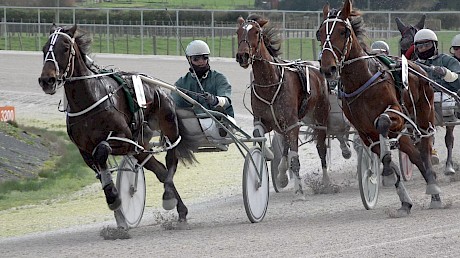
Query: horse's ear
point(262, 22)
point(326, 11)
point(346, 10)
point(53, 28)
point(72, 31)
point(400, 24)
point(240, 20)
point(421, 24)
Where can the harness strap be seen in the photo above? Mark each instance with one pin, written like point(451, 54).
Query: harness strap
point(363, 87)
point(93, 106)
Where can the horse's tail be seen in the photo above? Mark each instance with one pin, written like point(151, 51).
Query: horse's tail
point(186, 147)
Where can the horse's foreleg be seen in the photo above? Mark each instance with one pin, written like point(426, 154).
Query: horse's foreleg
point(100, 155)
point(449, 140)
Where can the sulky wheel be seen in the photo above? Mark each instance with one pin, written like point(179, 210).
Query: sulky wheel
point(131, 188)
point(368, 176)
point(255, 185)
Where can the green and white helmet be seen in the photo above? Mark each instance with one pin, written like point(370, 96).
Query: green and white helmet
point(425, 35)
point(456, 41)
point(197, 48)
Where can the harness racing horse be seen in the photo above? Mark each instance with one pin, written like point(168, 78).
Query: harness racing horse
point(407, 42)
point(100, 122)
point(278, 98)
point(408, 32)
point(376, 108)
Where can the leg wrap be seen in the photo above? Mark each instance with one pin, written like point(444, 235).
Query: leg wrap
point(106, 178)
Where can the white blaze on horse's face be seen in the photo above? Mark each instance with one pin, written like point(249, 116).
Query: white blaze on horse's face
point(51, 82)
point(247, 27)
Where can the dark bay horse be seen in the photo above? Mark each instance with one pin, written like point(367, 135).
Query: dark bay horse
point(408, 32)
point(100, 121)
point(376, 108)
point(407, 48)
point(278, 99)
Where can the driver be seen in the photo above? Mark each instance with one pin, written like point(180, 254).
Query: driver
point(208, 87)
point(441, 68)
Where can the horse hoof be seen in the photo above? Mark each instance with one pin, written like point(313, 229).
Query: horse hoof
point(449, 170)
point(346, 153)
point(283, 180)
point(432, 189)
point(389, 180)
point(436, 205)
point(402, 213)
point(169, 204)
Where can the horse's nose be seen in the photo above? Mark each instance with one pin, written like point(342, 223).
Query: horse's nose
point(46, 81)
point(242, 58)
point(329, 72)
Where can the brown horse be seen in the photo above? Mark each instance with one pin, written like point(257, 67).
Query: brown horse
point(407, 48)
point(376, 108)
point(278, 98)
point(100, 121)
point(408, 32)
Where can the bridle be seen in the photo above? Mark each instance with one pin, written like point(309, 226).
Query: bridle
point(328, 46)
point(247, 26)
point(50, 56)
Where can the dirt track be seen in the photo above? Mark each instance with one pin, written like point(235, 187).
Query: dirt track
point(327, 225)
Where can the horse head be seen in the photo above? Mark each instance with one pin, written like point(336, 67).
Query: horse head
point(336, 37)
point(58, 62)
point(249, 34)
point(407, 35)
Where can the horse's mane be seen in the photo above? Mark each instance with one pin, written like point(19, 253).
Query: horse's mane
point(270, 36)
point(357, 24)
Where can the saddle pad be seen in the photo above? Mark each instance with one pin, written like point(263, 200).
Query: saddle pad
point(139, 90)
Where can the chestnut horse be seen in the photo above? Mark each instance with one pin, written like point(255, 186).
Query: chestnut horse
point(278, 98)
point(100, 121)
point(407, 48)
point(376, 108)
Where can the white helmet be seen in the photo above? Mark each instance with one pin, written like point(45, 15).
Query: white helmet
point(197, 48)
point(456, 41)
point(381, 46)
point(425, 35)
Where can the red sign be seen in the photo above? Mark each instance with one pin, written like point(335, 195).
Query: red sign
point(7, 113)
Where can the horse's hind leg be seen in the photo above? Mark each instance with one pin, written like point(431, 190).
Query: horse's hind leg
point(100, 155)
point(390, 169)
point(342, 138)
point(322, 150)
point(449, 140)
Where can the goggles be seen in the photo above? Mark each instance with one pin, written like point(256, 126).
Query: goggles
point(198, 58)
point(427, 44)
